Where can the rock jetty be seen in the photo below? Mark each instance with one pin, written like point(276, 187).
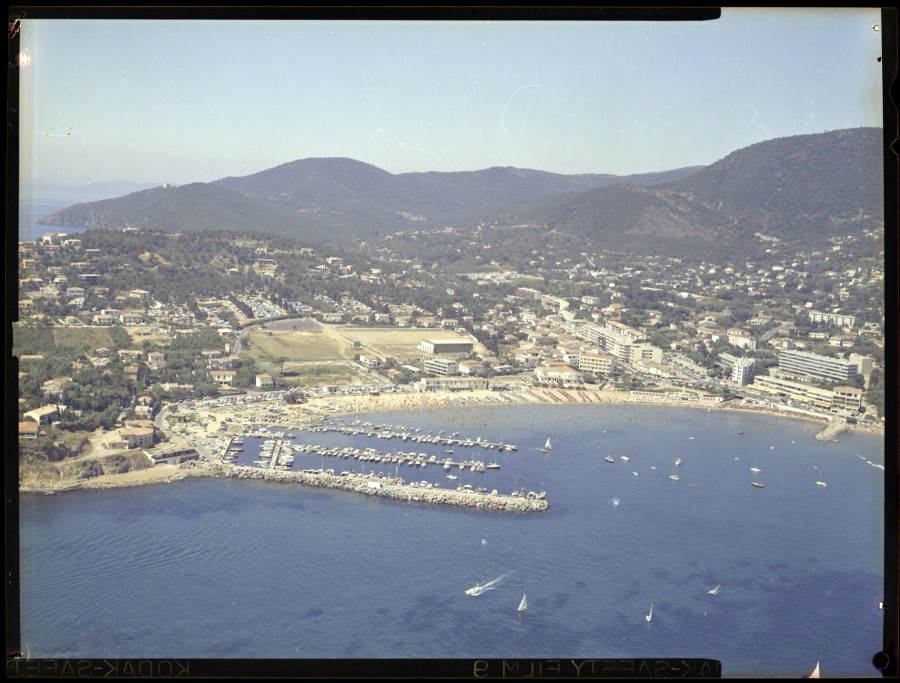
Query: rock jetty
point(834, 428)
point(384, 487)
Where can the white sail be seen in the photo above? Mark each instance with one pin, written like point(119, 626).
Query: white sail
point(524, 604)
point(648, 617)
point(815, 673)
point(547, 446)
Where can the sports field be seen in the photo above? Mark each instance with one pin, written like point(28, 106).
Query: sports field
point(392, 341)
point(323, 344)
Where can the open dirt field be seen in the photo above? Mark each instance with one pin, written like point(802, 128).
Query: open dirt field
point(297, 345)
point(392, 341)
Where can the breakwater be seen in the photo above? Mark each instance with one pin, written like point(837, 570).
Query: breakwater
point(834, 428)
point(383, 487)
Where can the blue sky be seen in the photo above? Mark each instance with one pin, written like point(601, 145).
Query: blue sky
point(186, 101)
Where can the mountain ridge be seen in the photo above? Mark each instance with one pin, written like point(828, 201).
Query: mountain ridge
point(791, 186)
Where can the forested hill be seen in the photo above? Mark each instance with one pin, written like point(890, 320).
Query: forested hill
point(335, 199)
point(801, 189)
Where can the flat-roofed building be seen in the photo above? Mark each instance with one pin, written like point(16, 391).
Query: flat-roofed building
point(446, 346)
point(597, 363)
point(451, 384)
point(441, 366)
point(645, 352)
point(742, 369)
point(815, 365)
point(846, 399)
point(843, 399)
point(795, 391)
point(528, 293)
point(839, 319)
point(170, 454)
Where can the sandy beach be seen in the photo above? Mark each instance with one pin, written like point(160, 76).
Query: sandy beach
point(340, 405)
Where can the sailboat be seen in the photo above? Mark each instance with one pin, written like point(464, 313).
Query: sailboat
point(815, 672)
point(714, 591)
point(821, 482)
point(609, 458)
point(547, 447)
point(524, 604)
point(648, 617)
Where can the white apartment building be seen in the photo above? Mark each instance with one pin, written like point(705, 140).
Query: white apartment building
point(596, 363)
point(442, 366)
point(815, 365)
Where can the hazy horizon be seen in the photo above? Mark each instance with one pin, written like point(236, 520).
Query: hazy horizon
point(106, 100)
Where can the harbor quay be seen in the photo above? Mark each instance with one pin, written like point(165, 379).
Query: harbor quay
point(372, 485)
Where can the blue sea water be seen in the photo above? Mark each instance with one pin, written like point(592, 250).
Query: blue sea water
point(33, 209)
point(249, 569)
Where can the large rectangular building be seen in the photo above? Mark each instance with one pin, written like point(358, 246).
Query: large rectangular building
point(812, 364)
point(451, 384)
point(842, 399)
point(446, 346)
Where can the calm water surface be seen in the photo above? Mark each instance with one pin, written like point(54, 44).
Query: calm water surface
point(247, 569)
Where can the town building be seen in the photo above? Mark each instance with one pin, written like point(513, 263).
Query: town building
point(843, 399)
point(446, 346)
point(839, 319)
point(29, 429)
point(451, 384)
point(742, 370)
point(171, 454)
point(441, 366)
point(596, 363)
point(225, 377)
point(42, 415)
point(793, 362)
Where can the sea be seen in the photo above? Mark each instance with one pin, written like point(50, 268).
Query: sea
point(247, 569)
point(38, 202)
point(33, 209)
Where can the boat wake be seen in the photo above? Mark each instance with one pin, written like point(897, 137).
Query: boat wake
point(873, 464)
point(480, 588)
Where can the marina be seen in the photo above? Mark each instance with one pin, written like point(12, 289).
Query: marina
point(331, 534)
point(256, 450)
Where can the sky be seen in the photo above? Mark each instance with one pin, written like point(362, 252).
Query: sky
point(183, 101)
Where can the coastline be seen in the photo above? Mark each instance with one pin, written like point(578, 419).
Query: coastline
point(335, 406)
